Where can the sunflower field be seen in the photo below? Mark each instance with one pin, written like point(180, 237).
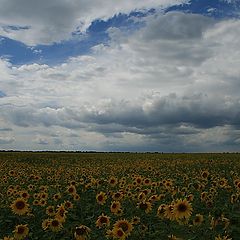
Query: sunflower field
point(50, 195)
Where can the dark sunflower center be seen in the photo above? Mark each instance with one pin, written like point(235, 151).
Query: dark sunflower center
point(20, 205)
point(143, 206)
point(24, 195)
point(182, 207)
point(124, 226)
point(161, 210)
point(197, 219)
point(55, 223)
point(20, 230)
point(100, 198)
point(103, 220)
point(119, 233)
point(114, 205)
point(80, 231)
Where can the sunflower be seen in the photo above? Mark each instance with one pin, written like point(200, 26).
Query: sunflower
point(222, 238)
point(71, 189)
point(190, 197)
point(143, 228)
point(135, 220)
point(101, 198)
point(147, 182)
point(138, 180)
point(168, 213)
point(146, 206)
point(55, 225)
point(222, 182)
point(42, 202)
point(36, 202)
point(117, 196)
point(103, 221)
point(123, 224)
point(61, 213)
point(43, 188)
point(21, 231)
point(233, 198)
point(46, 223)
point(57, 196)
point(76, 197)
point(43, 195)
point(112, 181)
point(68, 204)
point(8, 238)
point(203, 196)
point(12, 173)
point(20, 206)
point(82, 232)
point(182, 209)
point(50, 211)
point(141, 196)
point(205, 174)
point(161, 211)
point(198, 219)
point(31, 187)
point(153, 198)
point(173, 237)
point(115, 206)
point(118, 233)
point(24, 194)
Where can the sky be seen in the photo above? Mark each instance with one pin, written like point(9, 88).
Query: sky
point(129, 75)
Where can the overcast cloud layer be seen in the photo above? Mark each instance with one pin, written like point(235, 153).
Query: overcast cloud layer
point(172, 85)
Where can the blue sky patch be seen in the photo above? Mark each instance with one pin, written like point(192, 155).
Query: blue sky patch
point(18, 53)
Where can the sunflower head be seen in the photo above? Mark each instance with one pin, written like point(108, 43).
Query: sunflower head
point(20, 206)
point(198, 219)
point(124, 225)
point(21, 231)
point(118, 233)
point(182, 209)
point(115, 206)
point(55, 225)
point(81, 232)
point(101, 198)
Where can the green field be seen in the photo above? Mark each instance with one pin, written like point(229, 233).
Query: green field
point(59, 195)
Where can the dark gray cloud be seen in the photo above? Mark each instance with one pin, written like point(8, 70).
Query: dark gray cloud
point(6, 129)
point(199, 110)
point(177, 26)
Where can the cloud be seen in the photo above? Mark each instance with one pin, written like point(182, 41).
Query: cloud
point(6, 140)
point(45, 22)
point(176, 26)
point(172, 90)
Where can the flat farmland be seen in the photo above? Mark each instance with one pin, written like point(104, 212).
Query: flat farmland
point(71, 195)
